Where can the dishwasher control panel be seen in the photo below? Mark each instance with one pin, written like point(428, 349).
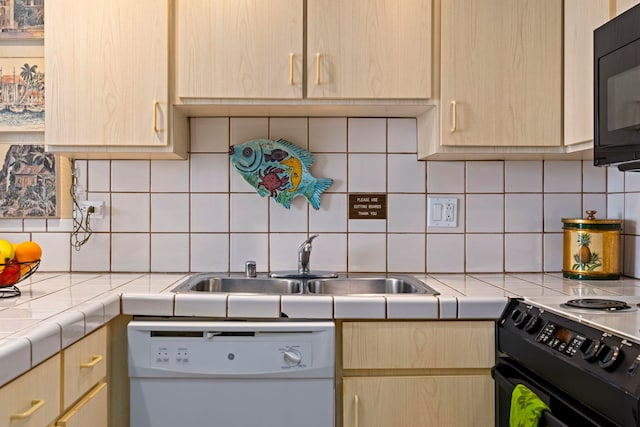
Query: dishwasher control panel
point(230, 349)
point(233, 354)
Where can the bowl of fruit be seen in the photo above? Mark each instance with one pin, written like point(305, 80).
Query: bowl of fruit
point(17, 262)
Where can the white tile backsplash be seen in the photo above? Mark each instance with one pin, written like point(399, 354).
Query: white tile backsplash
point(509, 217)
point(445, 177)
point(523, 176)
point(484, 253)
point(445, 253)
point(406, 213)
point(523, 213)
point(485, 213)
point(367, 135)
point(562, 176)
point(367, 173)
point(367, 252)
point(170, 176)
point(209, 135)
point(402, 135)
point(130, 175)
point(170, 212)
point(327, 135)
point(485, 177)
point(406, 253)
point(169, 252)
point(209, 173)
point(406, 175)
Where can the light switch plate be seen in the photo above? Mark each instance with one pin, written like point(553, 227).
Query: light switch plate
point(442, 212)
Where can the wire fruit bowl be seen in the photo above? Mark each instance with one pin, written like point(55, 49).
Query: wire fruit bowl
point(13, 273)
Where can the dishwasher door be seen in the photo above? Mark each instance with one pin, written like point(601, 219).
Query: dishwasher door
point(231, 373)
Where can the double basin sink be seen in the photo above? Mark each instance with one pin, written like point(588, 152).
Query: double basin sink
point(341, 285)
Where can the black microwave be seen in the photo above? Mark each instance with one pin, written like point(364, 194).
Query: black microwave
point(616, 46)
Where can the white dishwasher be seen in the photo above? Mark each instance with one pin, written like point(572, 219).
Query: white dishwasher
point(231, 373)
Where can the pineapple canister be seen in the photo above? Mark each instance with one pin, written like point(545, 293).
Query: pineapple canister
point(591, 248)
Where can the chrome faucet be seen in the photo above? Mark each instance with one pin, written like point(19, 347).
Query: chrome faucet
point(250, 269)
point(304, 255)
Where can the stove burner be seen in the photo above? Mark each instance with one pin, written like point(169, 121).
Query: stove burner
point(598, 304)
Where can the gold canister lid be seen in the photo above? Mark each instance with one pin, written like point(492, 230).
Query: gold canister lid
point(590, 220)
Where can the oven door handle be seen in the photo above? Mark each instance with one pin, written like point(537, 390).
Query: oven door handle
point(548, 417)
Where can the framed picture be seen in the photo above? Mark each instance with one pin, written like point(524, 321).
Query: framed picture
point(32, 182)
point(21, 94)
point(21, 19)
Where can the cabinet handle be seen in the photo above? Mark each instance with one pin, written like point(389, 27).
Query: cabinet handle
point(453, 116)
point(356, 404)
point(35, 405)
point(318, 68)
point(94, 361)
point(155, 116)
point(291, 56)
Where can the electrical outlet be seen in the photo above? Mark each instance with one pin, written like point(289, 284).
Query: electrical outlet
point(442, 212)
point(96, 207)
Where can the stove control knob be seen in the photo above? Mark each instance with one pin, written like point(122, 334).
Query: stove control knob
point(589, 349)
point(292, 357)
point(521, 319)
point(533, 325)
point(610, 359)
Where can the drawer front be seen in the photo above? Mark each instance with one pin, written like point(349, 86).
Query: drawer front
point(84, 365)
point(33, 399)
point(418, 345)
point(90, 411)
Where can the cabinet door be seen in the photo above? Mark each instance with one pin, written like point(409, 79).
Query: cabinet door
point(369, 49)
point(107, 72)
point(90, 411)
point(581, 17)
point(462, 400)
point(239, 48)
point(501, 73)
point(33, 399)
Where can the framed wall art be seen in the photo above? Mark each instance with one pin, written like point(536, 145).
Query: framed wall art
point(33, 183)
point(21, 19)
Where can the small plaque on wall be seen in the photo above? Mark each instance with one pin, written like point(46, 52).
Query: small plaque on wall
point(368, 206)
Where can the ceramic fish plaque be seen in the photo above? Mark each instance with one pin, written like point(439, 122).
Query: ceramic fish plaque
point(279, 169)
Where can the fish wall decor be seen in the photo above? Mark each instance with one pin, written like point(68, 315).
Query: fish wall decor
point(279, 169)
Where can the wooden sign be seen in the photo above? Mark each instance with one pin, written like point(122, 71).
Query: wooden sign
point(368, 206)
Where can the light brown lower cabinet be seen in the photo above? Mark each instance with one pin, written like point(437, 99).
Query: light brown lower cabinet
point(33, 399)
point(448, 400)
point(91, 410)
point(417, 373)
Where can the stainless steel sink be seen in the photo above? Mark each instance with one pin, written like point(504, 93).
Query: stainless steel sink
point(369, 285)
point(212, 282)
point(342, 285)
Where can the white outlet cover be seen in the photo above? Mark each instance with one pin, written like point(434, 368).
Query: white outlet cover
point(443, 212)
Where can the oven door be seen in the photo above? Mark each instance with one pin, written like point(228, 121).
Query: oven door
point(565, 412)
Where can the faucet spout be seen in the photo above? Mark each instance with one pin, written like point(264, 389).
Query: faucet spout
point(304, 255)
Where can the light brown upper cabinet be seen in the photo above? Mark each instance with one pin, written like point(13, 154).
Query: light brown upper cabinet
point(240, 49)
point(501, 73)
point(581, 17)
point(356, 49)
point(108, 91)
point(369, 49)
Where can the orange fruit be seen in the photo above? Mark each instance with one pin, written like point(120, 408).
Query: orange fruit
point(28, 251)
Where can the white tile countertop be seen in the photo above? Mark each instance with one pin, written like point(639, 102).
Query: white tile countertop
point(57, 309)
